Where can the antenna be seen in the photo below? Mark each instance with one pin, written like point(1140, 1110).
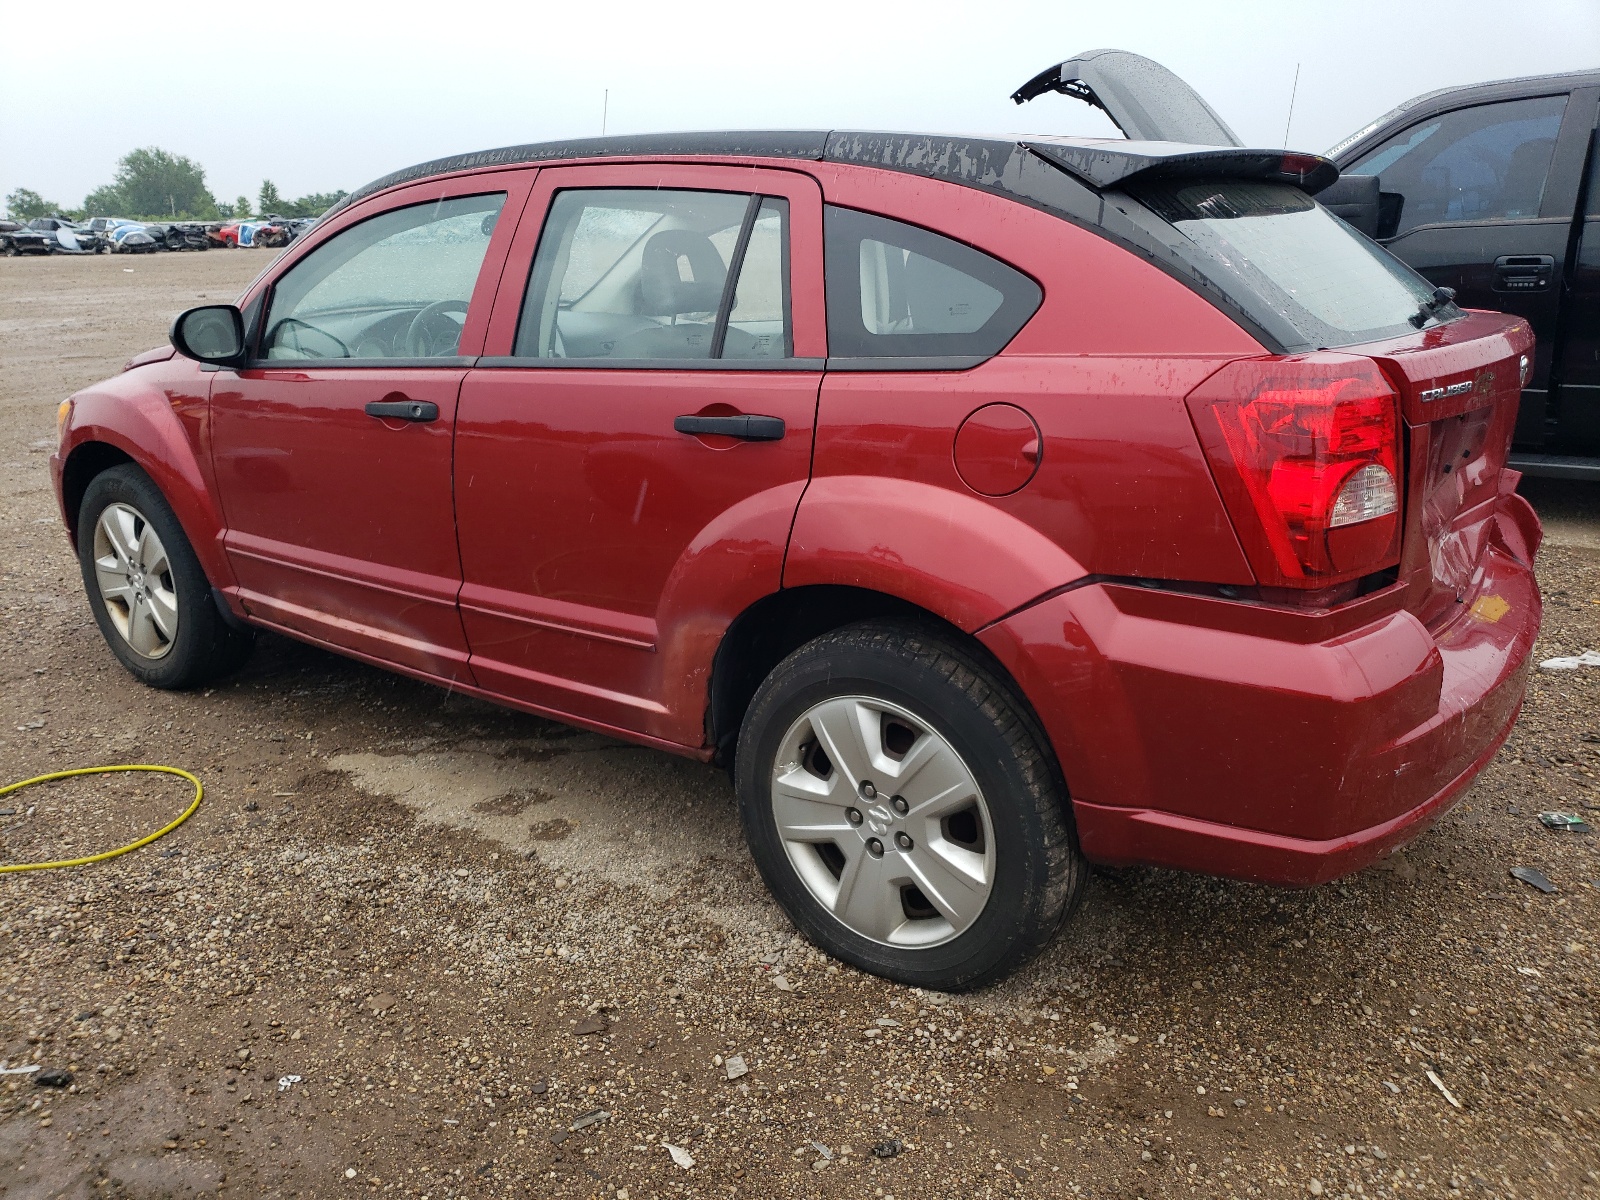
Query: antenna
point(1292, 92)
point(605, 112)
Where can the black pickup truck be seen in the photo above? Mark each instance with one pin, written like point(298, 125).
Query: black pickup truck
point(1491, 189)
point(1494, 190)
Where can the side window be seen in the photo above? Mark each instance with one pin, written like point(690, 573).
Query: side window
point(1486, 163)
point(898, 291)
point(394, 286)
point(628, 274)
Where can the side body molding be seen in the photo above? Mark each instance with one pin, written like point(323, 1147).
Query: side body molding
point(955, 555)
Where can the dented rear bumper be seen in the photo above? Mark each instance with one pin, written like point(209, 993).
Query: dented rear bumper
point(1242, 740)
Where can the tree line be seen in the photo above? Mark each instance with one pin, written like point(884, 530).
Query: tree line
point(154, 185)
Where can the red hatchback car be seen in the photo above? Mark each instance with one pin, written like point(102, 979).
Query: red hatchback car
point(989, 507)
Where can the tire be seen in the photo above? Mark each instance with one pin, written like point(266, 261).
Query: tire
point(923, 700)
point(148, 593)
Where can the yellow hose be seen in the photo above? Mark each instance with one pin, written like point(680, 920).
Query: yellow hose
point(199, 793)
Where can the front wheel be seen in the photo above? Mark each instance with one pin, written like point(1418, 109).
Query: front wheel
point(146, 587)
point(902, 805)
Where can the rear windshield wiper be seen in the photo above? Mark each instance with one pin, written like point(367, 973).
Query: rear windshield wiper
point(1442, 296)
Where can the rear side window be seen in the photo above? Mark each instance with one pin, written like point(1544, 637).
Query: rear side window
point(1276, 245)
point(1485, 163)
point(647, 275)
point(899, 291)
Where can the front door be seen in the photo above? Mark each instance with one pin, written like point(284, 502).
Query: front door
point(1471, 200)
point(632, 458)
point(332, 449)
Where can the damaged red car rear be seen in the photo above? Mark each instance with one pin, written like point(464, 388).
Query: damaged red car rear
point(989, 507)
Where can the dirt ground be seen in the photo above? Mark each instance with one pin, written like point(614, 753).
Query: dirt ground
point(410, 940)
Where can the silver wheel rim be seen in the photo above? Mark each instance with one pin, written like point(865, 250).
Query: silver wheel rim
point(883, 822)
point(135, 579)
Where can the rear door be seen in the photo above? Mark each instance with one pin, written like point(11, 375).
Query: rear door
point(639, 434)
point(1481, 199)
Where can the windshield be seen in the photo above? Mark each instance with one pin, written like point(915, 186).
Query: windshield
point(1334, 286)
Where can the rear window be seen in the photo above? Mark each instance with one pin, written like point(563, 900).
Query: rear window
point(1275, 243)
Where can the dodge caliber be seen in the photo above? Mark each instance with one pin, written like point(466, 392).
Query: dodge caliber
point(988, 507)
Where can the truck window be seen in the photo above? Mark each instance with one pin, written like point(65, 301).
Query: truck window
point(1485, 163)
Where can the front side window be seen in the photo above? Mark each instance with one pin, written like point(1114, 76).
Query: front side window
point(899, 291)
point(631, 275)
point(394, 286)
point(1486, 163)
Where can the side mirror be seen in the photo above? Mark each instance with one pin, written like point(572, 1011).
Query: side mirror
point(1354, 198)
point(211, 334)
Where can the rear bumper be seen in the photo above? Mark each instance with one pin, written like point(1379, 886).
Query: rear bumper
point(1239, 740)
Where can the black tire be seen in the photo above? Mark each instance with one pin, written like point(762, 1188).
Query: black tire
point(1039, 872)
point(205, 646)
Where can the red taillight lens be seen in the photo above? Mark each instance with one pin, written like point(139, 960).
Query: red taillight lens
point(1306, 453)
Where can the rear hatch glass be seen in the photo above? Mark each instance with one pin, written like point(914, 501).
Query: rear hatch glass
point(1270, 246)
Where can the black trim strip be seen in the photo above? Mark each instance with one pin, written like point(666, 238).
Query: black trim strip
point(503, 362)
point(730, 286)
point(938, 362)
point(350, 364)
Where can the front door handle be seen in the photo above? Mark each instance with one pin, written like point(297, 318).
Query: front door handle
point(403, 409)
point(745, 428)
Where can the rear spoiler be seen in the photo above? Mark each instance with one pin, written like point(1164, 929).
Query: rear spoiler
point(1114, 164)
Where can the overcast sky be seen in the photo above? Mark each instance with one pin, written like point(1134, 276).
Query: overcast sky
point(330, 95)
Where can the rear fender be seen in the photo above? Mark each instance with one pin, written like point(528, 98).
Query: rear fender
point(955, 555)
point(734, 562)
point(159, 423)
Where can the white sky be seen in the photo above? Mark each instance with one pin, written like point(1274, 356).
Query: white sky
point(333, 94)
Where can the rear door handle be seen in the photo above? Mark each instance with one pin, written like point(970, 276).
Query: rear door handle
point(745, 428)
point(404, 410)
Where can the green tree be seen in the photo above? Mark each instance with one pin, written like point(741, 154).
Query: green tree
point(24, 205)
point(269, 201)
point(241, 208)
point(313, 205)
point(105, 201)
point(152, 182)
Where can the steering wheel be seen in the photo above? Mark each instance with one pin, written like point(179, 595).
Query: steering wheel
point(429, 330)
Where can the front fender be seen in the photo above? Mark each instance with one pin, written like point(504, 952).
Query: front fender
point(953, 554)
point(157, 416)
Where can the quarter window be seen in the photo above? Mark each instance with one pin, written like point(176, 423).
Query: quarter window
point(899, 291)
point(394, 286)
point(1485, 163)
point(636, 275)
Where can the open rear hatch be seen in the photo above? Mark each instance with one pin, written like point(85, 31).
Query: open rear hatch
point(1144, 99)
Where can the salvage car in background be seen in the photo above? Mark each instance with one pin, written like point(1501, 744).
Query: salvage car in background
point(179, 235)
point(70, 236)
point(16, 238)
point(1018, 505)
point(123, 235)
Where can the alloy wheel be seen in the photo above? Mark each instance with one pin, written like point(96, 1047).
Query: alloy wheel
point(135, 579)
point(883, 822)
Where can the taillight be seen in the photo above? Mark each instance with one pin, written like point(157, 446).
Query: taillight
point(1306, 453)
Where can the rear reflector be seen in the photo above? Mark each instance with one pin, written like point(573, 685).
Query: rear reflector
point(1306, 454)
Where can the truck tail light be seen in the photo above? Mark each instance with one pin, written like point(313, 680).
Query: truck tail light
point(1306, 454)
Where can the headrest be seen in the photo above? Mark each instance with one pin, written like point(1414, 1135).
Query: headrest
point(664, 292)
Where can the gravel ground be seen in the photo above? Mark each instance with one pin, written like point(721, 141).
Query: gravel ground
point(411, 944)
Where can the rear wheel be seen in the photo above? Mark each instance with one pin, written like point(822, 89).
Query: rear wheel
point(148, 593)
point(903, 807)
